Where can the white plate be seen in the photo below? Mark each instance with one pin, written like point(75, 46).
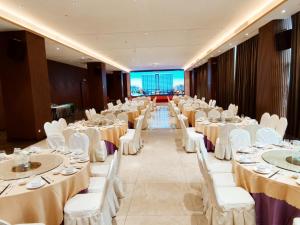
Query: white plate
point(65, 173)
point(32, 186)
point(83, 160)
point(265, 171)
point(245, 150)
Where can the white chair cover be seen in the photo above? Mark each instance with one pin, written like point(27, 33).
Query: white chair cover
point(200, 114)
point(97, 147)
point(222, 149)
point(79, 141)
point(67, 134)
point(239, 139)
point(56, 141)
point(119, 102)
point(214, 114)
point(62, 123)
point(110, 105)
point(252, 129)
point(267, 136)
point(52, 129)
point(296, 221)
point(110, 116)
point(131, 143)
point(214, 102)
point(227, 114)
point(281, 126)
point(88, 114)
point(274, 121)
point(264, 120)
point(123, 116)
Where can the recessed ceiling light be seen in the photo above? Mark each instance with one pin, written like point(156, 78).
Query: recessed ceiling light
point(57, 48)
point(230, 44)
point(219, 51)
point(246, 34)
point(283, 11)
point(146, 33)
point(82, 57)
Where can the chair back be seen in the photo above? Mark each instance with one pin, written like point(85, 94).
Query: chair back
point(267, 136)
point(123, 116)
point(214, 114)
point(239, 139)
point(56, 141)
point(281, 126)
point(274, 121)
point(110, 105)
point(62, 123)
point(227, 114)
point(79, 141)
point(213, 104)
point(51, 129)
point(200, 114)
point(87, 114)
point(119, 102)
point(110, 116)
point(252, 129)
point(264, 120)
point(67, 134)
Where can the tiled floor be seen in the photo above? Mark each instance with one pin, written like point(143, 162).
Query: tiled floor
point(162, 182)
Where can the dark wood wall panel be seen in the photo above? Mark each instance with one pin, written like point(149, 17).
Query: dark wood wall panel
point(97, 83)
point(212, 78)
point(67, 83)
point(25, 86)
point(272, 71)
point(202, 81)
point(115, 86)
point(2, 115)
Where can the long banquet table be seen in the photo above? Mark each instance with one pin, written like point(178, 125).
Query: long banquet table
point(45, 204)
point(277, 198)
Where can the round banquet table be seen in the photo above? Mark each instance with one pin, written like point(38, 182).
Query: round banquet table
point(211, 130)
point(110, 134)
point(132, 115)
point(45, 204)
point(276, 199)
point(190, 113)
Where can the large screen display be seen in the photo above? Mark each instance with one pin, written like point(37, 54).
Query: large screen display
point(165, 82)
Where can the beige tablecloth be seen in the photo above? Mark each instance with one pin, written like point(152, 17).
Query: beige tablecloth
point(45, 204)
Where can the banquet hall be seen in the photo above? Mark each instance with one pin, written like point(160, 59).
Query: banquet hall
point(148, 112)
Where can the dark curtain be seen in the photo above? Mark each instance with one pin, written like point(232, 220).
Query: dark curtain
point(202, 82)
point(245, 77)
point(293, 113)
point(225, 94)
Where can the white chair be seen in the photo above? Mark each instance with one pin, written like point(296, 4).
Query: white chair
point(222, 149)
point(2, 222)
point(210, 102)
point(62, 124)
point(123, 117)
point(56, 141)
point(119, 102)
point(274, 121)
point(252, 129)
point(200, 115)
point(79, 142)
point(87, 114)
point(281, 126)
point(97, 207)
point(195, 97)
point(213, 104)
point(110, 105)
point(196, 105)
point(214, 114)
point(110, 116)
point(225, 204)
point(130, 143)
point(267, 136)
point(203, 99)
point(264, 120)
point(227, 114)
point(67, 134)
point(239, 139)
point(190, 139)
point(296, 221)
point(51, 129)
point(97, 147)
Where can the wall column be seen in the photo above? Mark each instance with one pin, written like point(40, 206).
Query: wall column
point(97, 84)
point(25, 85)
point(115, 86)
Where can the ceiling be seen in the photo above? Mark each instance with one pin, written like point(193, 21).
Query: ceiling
point(136, 34)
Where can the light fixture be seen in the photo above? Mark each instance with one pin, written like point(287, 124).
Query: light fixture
point(146, 33)
point(252, 17)
point(283, 11)
point(82, 57)
point(19, 18)
point(230, 44)
point(57, 48)
point(246, 34)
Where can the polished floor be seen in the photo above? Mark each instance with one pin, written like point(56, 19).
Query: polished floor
point(162, 182)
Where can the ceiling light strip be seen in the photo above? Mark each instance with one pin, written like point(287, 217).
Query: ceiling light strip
point(41, 29)
point(244, 23)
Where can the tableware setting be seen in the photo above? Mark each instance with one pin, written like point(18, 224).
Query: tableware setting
point(68, 171)
point(263, 168)
point(36, 183)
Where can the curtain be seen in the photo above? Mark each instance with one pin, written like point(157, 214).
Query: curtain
point(293, 112)
point(202, 82)
point(225, 94)
point(245, 77)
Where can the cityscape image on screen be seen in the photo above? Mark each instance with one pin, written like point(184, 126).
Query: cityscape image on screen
point(165, 82)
